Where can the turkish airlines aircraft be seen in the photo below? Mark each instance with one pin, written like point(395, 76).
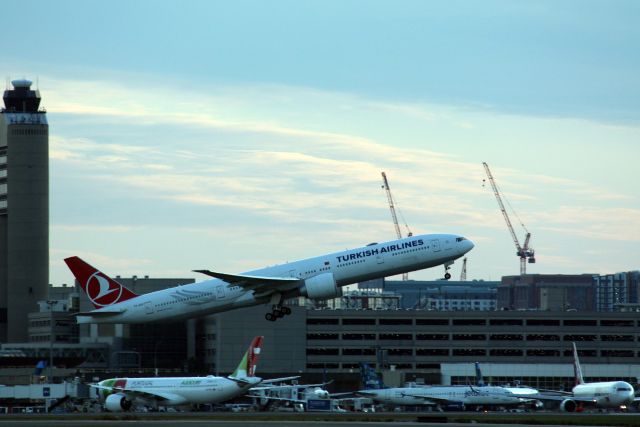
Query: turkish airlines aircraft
point(320, 277)
point(119, 394)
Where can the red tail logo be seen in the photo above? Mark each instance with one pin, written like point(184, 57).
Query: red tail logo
point(254, 355)
point(100, 288)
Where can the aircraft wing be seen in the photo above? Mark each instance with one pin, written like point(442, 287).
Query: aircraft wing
point(434, 400)
point(261, 285)
point(286, 399)
point(559, 397)
point(146, 395)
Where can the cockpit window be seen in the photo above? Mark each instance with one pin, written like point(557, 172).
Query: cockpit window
point(623, 389)
point(460, 239)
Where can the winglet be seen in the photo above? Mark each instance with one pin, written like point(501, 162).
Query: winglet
point(249, 362)
point(577, 369)
point(101, 289)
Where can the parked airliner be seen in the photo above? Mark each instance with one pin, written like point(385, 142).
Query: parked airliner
point(119, 394)
point(455, 395)
point(320, 277)
point(609, 394)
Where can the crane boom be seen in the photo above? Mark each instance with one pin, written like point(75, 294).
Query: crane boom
point(524, 252)
point(391, 205)
point(405, 276)
point(501, 205)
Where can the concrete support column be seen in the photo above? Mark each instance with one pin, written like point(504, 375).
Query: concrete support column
point(191, 338)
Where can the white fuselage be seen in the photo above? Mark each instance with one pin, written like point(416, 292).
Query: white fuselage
point(442, 395)
point(349, 266)
point(611, 394)
point(177, 391)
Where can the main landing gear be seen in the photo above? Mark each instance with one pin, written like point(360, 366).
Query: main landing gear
point(277, 309)
point(447, 267)
point(277, 312)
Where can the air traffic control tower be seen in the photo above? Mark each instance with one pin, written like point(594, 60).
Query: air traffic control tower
point(24, 209)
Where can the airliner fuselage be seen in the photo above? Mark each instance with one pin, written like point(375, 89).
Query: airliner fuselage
point(317, 278)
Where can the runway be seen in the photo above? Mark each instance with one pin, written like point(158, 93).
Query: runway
point(313, 419)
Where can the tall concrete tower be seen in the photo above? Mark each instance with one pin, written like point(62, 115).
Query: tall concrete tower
point(24, 209)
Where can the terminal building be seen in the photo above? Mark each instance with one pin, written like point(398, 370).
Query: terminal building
point(423, 345)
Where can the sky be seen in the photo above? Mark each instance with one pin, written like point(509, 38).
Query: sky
point(235, 135)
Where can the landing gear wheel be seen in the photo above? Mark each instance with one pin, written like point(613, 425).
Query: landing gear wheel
point(270, 317)
point(447, 276)
point(286, 310)
point(279, 314)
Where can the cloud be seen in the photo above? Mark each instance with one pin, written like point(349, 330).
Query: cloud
point(261, 172)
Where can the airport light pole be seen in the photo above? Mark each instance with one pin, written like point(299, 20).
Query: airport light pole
point(50, 303)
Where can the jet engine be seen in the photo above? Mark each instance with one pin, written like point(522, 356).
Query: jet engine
point(117, 402)
point(568, 405)
point(319, 393)
point(322, 286)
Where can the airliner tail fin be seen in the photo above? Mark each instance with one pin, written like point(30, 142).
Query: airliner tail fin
point(101, 289)
point(577, 369)
point(249, 362)
point(479, 378)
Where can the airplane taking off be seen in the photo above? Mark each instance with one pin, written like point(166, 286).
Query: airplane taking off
point(119, 394)
point(319, 277)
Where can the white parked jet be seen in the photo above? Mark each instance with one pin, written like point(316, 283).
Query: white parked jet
point(119, 394)
point(442, 396)
point(316, 278)
point(459, 396)
point(609, 394)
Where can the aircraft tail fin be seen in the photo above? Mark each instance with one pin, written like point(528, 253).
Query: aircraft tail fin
point(249, 362)
point(479, 378)
point(577, 369)
point(370, 378)
point(101, 289)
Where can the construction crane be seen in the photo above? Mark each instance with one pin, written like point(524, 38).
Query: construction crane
point(385, 185)
point(524, 252)
point(463, 272)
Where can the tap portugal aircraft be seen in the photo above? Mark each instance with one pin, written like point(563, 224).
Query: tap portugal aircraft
point(119, 394)
point(320, 277)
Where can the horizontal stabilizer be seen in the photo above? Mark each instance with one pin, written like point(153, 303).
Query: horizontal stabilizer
point(279, 380)
point(245, 380)
point(100, 313)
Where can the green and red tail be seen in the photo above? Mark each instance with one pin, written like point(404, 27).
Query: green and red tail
point(249, 362)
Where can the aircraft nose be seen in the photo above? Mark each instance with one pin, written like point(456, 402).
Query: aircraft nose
point(631, 396)
point(466, 246)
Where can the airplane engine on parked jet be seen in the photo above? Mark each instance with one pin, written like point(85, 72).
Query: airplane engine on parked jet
point(322, 286)
point(117, 402)
point(568, 405)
